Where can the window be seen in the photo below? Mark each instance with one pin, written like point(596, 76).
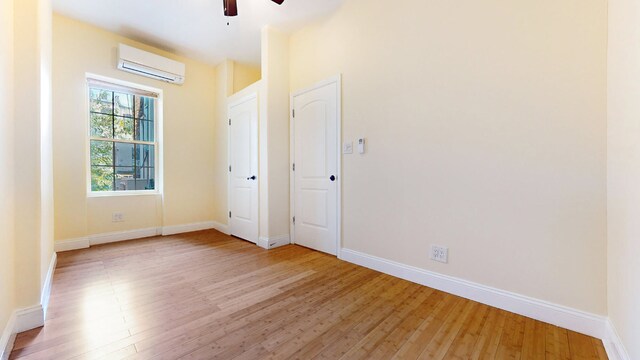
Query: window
point(122, 144)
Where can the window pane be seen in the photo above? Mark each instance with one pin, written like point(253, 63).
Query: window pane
point(117, 116)
point(145, 178)
point(145, 130)
point(101, 101)
point(124, 154)
point(123, 128)
point(145, 108)
point(101, 178)
point(145, 156)
point(101, 153)
point(124, 179)
point(101, 126)
point(123, 104)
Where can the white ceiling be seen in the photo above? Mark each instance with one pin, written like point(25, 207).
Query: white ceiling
point(197, 28)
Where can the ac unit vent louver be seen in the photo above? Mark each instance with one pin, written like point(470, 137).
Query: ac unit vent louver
point(150, 65)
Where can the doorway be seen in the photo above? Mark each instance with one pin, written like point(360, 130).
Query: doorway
point(315, 179)
point(243, 168)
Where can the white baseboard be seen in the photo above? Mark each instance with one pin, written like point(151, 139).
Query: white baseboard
point(21, 320)
point(91, 240)
point(180, 229)
point(46, 288)
point(613, 344)
point(106, 238)
point(273, 242)
point(71, 244)
point(8, 337)
point(572, 319)
point(223, 228)
point(29, 318)
point(118, 236)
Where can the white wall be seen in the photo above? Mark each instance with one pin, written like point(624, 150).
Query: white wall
point(624, 171)
point(188, 128)
point(486, 130)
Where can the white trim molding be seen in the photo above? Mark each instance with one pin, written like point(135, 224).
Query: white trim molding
point(223, 228)
point(21, 320)
point(568, 318)
point(180, 229)
point(273, 242)
point(613, 344)
point(106, 238)
point(71, 244)
point(118, 236)
point(48, 282)
point(29, 318)
point(8, 337)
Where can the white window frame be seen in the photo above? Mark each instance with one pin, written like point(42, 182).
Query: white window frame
point(159, 180)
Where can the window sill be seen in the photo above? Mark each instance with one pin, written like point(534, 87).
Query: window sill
point(93, 194)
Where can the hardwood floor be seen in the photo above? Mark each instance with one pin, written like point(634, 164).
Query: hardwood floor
point(205, 295)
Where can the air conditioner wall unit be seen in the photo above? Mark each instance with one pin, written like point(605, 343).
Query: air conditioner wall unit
point(154, 66)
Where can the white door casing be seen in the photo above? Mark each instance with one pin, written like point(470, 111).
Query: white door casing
point(315, 129)
point(243, 168)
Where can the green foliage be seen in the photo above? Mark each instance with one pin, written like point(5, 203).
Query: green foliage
point(101, 178)
point(101, 162)
point(119, 116)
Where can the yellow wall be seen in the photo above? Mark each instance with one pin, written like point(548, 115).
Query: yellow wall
point(33, 225)
point(244, 75)
point(7, 187)
point(624, 171)
point(45, 21)
point(274, 134)
point(486, 133)
point(26, 199)
point(189, 114)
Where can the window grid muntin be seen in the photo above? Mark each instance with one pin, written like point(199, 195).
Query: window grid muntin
point(150, 170)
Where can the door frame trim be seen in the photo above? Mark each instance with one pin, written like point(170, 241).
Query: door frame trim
point(292, 181)
point(231, 102)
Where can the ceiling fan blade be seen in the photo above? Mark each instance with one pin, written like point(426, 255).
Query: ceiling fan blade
point(230, 7)
point(279, 2)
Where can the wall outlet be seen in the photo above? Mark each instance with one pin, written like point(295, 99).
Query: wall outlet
point(347, 147)
point(117, 217)
point(439, 253)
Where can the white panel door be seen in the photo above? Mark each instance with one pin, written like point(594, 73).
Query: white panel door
point(315, 125)
point(243, 169)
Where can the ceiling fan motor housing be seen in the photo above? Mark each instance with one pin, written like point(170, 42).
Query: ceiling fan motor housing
point(231, 6)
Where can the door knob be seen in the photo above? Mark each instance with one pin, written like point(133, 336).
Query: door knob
point(332, 178)
point(251, 178)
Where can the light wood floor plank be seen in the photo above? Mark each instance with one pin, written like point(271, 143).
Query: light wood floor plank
point(209, 296)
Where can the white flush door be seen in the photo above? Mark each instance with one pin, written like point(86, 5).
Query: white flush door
point(315, 137)
point(243, 169)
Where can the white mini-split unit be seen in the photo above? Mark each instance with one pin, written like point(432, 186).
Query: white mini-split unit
point(150, 65)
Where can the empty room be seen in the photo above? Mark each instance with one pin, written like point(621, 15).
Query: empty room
point(335, 179)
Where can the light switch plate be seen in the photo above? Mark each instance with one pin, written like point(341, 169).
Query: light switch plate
point(347, 147)
point(361, 142)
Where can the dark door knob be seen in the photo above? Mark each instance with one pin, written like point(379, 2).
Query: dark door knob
point(332, 178)
point(251, 178)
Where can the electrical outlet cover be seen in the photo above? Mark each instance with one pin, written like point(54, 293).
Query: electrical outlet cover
point(440, 254)
point(347, 147)
point(117, 217)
